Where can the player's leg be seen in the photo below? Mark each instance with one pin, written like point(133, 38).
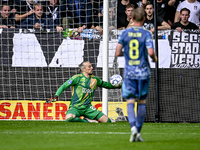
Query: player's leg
point(73, 115)
point(131, 112)
point(141, 112)
point(129, 91)
point(132, 118)
point(95, 114)
point(103, 118)
point(143, 88)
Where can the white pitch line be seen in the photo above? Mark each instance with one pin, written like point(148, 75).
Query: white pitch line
point(81, 132)
point(60, 132)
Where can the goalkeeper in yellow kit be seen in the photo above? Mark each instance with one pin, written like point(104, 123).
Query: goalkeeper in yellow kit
point(83, 88)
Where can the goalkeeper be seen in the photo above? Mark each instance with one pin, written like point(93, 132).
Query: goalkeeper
point(83, 88)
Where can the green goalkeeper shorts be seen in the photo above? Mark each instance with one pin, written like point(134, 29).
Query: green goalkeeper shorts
point(90, 112)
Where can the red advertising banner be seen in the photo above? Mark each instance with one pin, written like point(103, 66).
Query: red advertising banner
point(39, 110)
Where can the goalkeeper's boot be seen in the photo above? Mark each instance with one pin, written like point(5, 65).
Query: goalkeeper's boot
point(133, 134)
point(139, 138)
point(90, 120)
point(112, 120)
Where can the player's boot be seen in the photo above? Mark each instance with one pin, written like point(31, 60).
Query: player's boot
point(133, 134)
point(90, 120)
point(139, 138)
point(112, 120)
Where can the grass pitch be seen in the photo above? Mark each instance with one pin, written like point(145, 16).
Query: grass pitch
point(58, 135)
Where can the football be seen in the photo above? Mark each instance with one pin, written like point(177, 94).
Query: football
point(116, 80)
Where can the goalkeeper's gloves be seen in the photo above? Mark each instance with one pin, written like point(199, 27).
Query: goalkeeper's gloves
point(53, 99)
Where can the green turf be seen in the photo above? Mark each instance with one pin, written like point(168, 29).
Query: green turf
point(57, 135)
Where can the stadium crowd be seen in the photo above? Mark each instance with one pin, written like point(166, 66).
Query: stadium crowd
point(87, 14)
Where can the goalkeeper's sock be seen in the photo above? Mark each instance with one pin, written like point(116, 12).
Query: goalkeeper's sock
point(108, 121)
point(140, 116)
point(131, 114)
point(76, 119)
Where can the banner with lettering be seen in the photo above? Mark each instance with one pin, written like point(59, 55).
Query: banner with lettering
point(175, 49)
point(39, 110)
point(185, 49)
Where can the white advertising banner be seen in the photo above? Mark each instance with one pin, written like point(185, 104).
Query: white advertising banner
point(179, 50)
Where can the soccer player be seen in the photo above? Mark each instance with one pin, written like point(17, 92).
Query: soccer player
point(83, 88)
point(137, 43)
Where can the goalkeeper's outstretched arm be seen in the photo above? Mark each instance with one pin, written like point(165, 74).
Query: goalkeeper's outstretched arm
point(59, 91)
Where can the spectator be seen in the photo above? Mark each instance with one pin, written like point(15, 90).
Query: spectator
point(6, 19)
point(129, 10)
point(10, 3)
point(39, 20)
point(194, 7)
point(24, 9)
point(184, 23)
point(97, 8)
point(53, 12)
point(140, 3)
point(112, 18)
point(149, 21)
point(162, 8)
point(121, 15)
point(98, 23)
point(171, 10)
point(79, 12)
